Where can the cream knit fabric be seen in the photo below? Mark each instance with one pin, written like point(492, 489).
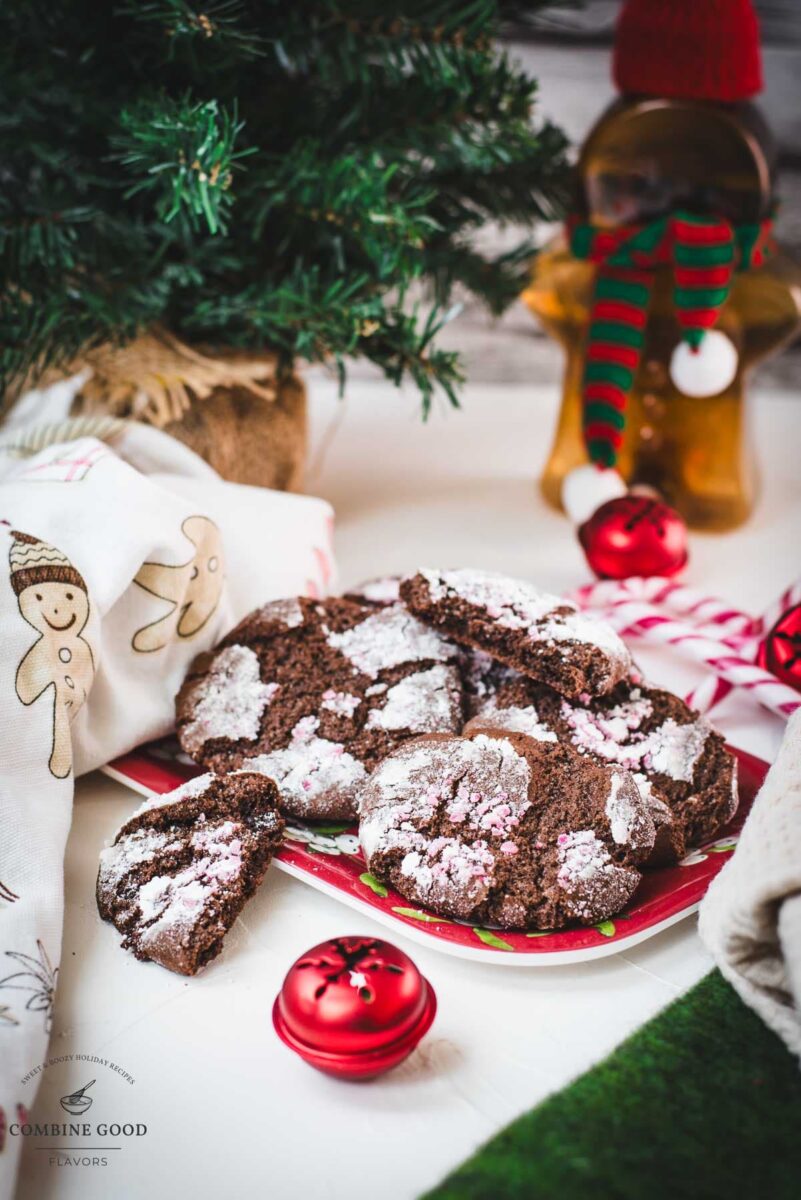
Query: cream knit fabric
point(751, 917)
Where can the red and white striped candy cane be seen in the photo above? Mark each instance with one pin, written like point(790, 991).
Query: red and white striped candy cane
point(653, 626)
point(709, 692)
point(722, 619)
point(634, 618)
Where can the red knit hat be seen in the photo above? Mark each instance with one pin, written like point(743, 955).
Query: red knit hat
point(688, 49)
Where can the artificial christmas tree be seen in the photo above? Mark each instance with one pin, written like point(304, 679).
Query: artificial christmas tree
point(249, 187)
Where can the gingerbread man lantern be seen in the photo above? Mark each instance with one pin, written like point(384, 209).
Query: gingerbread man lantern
point(53, 599)
point(667, 286)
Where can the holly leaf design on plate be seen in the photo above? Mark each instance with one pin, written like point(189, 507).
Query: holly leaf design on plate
point(331, 829)
point(721, 847)
point(693, 859)
point(607, 928)
point(541, 933)
point(417, 914)
point(375, 885)
point(492, 939)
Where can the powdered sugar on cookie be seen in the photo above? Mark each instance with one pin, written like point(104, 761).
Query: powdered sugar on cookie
point(170, 903)
point(624, 814)
point(287, 612)
point(537, 634)
point(479, 828)
point(180, 871)
point(341, 704)
point(516, 604)
point(228, 702)
point(675, 749)
point(443, 864)
point(616, 736)
point(141, 846)
point(516, 719)
point(425, 702)
point(310, 766)
point(387, 638)
point(481, 789)
point(511, 602)
point(193, 787)
point(346, 686)
point(586, 870)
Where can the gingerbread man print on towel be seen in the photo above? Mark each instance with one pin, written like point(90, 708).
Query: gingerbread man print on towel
point(53, 599)
point(192, 589)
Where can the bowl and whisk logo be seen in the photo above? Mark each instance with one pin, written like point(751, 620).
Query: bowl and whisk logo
point(78, 1102)
point(72, 1139)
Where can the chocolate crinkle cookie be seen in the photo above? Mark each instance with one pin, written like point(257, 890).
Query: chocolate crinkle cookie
point(540, 635)
point(314, 694)
point(378, 592)
point(504, 830)
point(680, 764)
point(181, 868)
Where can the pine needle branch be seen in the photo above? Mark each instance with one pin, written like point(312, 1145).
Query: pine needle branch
point(262, 174)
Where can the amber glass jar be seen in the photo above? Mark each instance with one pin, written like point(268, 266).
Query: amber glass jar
point(647, 158)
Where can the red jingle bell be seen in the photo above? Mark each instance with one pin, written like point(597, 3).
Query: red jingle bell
point(353, 1007)
point(634, 535)
point(780, 653)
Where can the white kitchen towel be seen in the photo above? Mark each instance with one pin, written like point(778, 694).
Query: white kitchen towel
point(111, 580)
point(750, 918)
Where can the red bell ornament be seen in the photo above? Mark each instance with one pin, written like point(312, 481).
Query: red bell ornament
point(353, 1007)
point(634, 535)
point(780, 653)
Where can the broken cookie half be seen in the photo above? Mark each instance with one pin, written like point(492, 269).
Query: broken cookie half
point(182, 867)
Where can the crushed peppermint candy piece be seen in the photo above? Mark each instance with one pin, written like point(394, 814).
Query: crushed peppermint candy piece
point(470, 827)
point(342, 704)
point(680, 764)
point(310, 766)
point(586, 874)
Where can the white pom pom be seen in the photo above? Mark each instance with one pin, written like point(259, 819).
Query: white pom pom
point(585, 489)
point(706, 371)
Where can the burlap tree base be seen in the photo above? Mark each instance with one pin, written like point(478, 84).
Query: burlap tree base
point(230, 407)
point(247, 439)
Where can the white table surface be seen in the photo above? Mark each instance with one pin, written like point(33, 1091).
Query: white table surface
point(229, 1110)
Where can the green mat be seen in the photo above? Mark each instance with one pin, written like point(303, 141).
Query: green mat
point(703, 1102)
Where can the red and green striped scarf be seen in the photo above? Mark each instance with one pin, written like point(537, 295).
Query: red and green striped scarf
point(704, 253)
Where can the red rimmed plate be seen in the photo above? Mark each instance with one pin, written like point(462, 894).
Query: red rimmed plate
point(327, 856)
